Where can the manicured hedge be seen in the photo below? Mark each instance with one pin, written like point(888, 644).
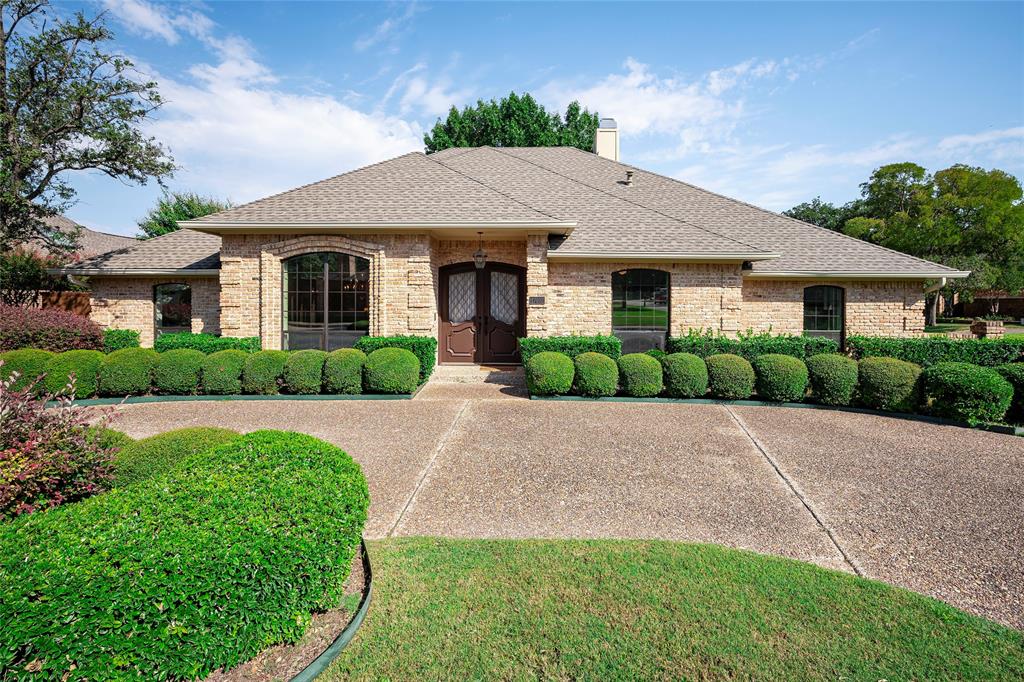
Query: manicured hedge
point(127, 372)
point(889, 384)
point(549, 373)
point(1014, 373)
point(423, 347)
point(640, 375)
point(780, 378)
point(222, 372)
point(571, 345)
point(116, 339)
point(391, 370)
point(304, 372)
point(597, 375)
point(84, 364)
point(343, 371)
point(263, 372)
point(29, 363)
point(179, 372)
point(205, 343)
point(200, 568)
point(932, 350)
point(965, 392)
point(149, 457)
point(730, 377)
point(47, 329)
point(686, 375)
point(833, 378)
point(750, 345)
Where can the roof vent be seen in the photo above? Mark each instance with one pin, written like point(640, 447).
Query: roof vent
point(629, 177)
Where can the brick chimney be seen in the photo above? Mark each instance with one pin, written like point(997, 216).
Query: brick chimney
point(606, 139)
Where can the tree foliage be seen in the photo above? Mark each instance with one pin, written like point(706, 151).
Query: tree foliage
point(513, 121)
point(175, 206)
point(65, 105)
point(23, 275)
point(825, 214)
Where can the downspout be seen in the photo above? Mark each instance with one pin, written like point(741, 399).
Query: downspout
point(935, 287)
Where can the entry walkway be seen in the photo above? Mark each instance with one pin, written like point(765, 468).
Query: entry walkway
point(936, 509)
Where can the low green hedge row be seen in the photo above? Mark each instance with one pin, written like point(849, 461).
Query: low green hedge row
point(185, 371)
point(750, 345)
point(957, 391)
point(205, 343)
point(570, 345)
point(198, 568)
point(423, 347)
point(116, 339)
point(931, 350)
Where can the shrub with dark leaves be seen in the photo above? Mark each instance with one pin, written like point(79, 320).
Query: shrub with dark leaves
point(47, 329)
point(48, 456)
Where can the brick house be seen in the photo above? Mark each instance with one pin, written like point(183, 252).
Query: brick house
point(479, 246)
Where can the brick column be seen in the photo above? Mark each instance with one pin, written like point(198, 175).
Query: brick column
point(536, 284)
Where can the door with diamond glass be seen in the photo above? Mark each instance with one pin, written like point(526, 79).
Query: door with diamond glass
point(482, 313)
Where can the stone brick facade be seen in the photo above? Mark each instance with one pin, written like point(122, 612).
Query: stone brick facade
point(562, 298)
point(127, 303)
point(894, 308)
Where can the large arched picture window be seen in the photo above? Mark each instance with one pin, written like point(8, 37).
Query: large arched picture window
point(325, 301)
point(640, 305)
point(825, 312)
point(172, 308)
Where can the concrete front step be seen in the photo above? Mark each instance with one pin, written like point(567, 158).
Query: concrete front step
point(478, 374)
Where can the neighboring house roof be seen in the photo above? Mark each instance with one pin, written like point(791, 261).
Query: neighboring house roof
point(562, 190)
point(90, 242)
point(184, 252)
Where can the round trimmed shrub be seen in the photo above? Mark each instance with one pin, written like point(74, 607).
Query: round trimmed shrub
point(84, 364)
point(889, 384)
point(263, 372)
point(549, 373)
point(597, 375)
point(641, 375)
point(149, 457)
point(391, 370)
point(110, 439)
point(833, 378)
point(29, 363)
point(730, 377)
point(262, 529)
point(965, 392)
point(304, 371)
point(222, 372)
point(1014, 373)
point(780, 378)
point(177, 372)
point(343, 371)
point(128, 371)
point(686, 375)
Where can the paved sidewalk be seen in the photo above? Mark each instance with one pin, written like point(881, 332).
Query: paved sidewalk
point(937, 509)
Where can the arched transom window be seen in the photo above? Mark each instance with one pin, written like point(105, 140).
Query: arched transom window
point(325, 301)
point(825, 312)
point(640, 309)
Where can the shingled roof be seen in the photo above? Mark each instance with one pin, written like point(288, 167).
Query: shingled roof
point(181, 252)
point(560, 189)
point(90, 242)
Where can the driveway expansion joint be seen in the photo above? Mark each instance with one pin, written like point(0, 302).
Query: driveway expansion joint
point(441, 445)
point(794, 487)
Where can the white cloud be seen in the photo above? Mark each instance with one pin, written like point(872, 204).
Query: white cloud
point(386, 30)
point(1006, 145)
point(144, 19)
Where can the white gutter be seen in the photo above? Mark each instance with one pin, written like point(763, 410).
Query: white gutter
point(662, 256)
point(137, 272)
point(554, 226)
point(854, 274)
point(935, 287)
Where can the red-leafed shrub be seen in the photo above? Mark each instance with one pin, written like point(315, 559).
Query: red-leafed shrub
point(48, 456)
point(47, 329)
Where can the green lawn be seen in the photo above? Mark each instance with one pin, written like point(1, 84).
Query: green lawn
point(461, 609)
point(944, 327)
point(635, 315)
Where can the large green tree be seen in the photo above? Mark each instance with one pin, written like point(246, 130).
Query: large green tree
point(513, 121)
point(67, 103)
point(175, 206)
point(826, 214)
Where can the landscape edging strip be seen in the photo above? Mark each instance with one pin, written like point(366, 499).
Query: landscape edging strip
point(131, 400)
point(327, 656)
point(995, 428)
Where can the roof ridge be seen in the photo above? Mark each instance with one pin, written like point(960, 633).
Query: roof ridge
point(489, 187)
point(773, 213)
point(315, 182)
point(629, 201)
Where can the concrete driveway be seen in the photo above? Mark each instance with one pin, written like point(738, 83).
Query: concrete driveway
point(936, 509)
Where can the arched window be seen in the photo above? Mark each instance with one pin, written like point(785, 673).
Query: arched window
point(825, 312)
point(172, 308)
point(640, 305)
point(325, 301)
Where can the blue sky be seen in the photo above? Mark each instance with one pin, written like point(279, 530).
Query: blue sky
point(770, 103)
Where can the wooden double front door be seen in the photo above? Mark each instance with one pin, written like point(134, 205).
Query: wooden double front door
point(482, 313)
